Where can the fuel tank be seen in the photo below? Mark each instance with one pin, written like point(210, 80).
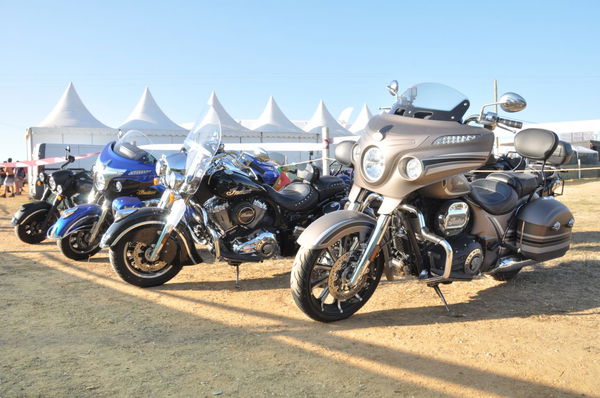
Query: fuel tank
point(229, 184)
point(444, 149)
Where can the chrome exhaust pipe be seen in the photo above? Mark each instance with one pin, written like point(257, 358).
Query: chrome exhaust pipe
point(510, 264)
point(426, 235)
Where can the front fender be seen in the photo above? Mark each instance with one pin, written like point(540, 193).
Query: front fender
point(152, 216)
point(29, 209)
point(327, 229)
point(84, 216)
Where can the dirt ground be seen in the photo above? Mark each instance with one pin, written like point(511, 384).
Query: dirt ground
point(75, 329)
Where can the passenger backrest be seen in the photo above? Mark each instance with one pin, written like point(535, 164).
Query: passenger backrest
point(536, 144)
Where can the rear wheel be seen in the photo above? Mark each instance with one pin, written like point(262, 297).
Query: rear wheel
point(76, 246)
point(319, 279)
point(32, 230)
point(129, 258)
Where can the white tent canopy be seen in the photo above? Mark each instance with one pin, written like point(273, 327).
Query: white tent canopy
point(323, 118)
point(231, 131)
point(70, 111)
point(362, 120)
point(274, 120)
point(151, 120)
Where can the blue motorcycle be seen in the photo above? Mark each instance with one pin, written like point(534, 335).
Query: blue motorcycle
point(123, 178)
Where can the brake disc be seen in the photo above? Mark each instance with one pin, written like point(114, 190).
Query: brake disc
point(140, 258)
point(339, 276)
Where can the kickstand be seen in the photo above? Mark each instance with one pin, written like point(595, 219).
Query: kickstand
point(237, 276)
point(437, 289)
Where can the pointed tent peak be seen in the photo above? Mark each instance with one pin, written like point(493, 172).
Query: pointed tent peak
point(274, 120)
point(323, 118)
point(70, 111)
point(362, 120)
point(345, 115)
point(228, 124)
point(147, 115)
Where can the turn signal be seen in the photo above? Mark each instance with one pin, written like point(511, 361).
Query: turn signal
point(59, 197)
point(156, 181)
point(171, 197)
point(39, 183)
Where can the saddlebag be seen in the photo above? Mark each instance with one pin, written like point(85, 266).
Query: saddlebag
point(544, 229)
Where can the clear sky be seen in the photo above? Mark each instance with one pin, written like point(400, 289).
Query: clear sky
point(344, 52)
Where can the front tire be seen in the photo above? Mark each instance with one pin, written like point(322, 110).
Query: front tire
point(76, 247)
point(318, 280)
point(129, 258)
point(32, 230)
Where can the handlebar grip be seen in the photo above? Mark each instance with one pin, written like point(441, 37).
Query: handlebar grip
point(510, 123)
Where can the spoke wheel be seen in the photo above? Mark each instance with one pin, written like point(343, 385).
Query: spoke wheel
point(76, 246)
point(129, 258)
point(32, 230)
point(320, 279)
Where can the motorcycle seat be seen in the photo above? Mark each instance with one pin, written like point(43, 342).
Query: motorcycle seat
point(328, 186)
point(495, 197)
point(296, 196)
point(523, 183)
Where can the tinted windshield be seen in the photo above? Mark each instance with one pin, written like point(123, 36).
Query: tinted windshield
point(434, 96)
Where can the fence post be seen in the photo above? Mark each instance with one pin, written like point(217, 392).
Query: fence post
point(325, 131)
point(579, 167)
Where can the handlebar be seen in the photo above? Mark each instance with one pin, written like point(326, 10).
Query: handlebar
point(510, 123)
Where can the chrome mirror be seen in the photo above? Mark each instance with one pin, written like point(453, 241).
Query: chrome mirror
point(512, 102)
point(392, 88)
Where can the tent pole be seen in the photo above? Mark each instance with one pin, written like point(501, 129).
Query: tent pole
point(325, 131)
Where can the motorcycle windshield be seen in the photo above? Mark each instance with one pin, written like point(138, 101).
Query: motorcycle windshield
point(129, 145)
point(200, 145)
point(434, 96)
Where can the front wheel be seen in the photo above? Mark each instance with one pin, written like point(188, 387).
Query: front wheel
point(33, 228)
point(76, 246)
point(129, 258)
point(319, 279)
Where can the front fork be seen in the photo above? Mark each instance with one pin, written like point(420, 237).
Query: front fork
point(175, 215)
point(96, 227)
point(358, 202)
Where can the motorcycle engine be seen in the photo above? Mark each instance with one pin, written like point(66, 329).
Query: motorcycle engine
point(466, 261)
point(452, 218)
point(230, 215)
point(244, 226)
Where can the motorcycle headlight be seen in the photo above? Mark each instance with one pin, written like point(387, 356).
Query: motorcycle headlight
point(171, 180)
point(99, 181)
point(411, 168)
point(52, 183)
point(59, 189)
point(42, 177)
point(373, 165)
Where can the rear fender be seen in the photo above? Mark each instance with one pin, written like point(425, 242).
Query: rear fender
point(83, 217)
point(324, 231)
point(152, 217)
point(29, 209)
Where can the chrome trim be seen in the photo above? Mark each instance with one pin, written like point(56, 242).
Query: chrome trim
point(31, 214)
point(425, 234)
point(371, 197)
point(510, 264)
point(106, 207)
point(214, 234)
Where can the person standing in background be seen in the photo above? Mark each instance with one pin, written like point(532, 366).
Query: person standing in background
point(2, 177)
point(19, 179)
point(9, 180)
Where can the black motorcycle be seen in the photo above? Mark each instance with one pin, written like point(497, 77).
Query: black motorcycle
point(63, 189)
point(215, 202)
